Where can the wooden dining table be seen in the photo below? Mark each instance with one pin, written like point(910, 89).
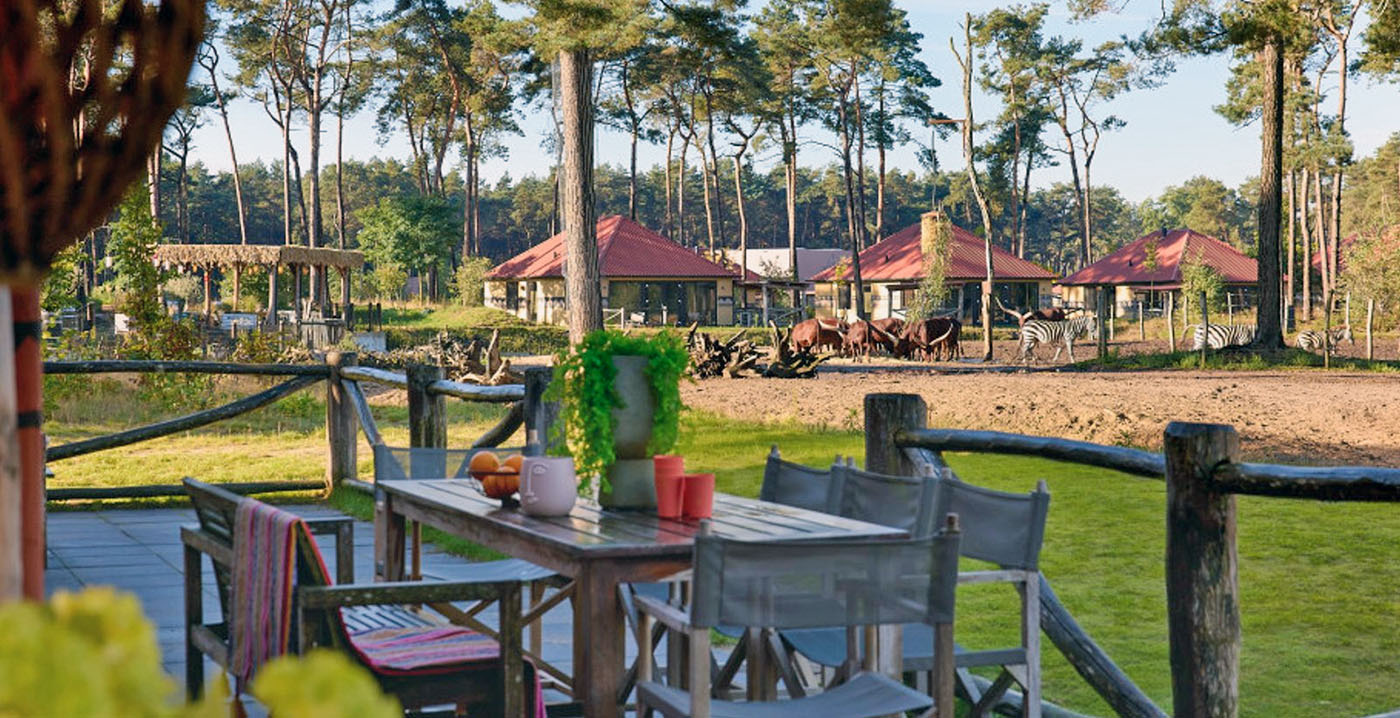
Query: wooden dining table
point(595, 547)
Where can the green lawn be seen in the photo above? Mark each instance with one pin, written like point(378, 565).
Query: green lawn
point(1320, 584)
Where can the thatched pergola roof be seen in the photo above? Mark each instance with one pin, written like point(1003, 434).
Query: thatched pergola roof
point(236, 255)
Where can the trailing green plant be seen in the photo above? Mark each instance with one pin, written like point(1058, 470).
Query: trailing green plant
point(936, 234)
point(583, 385)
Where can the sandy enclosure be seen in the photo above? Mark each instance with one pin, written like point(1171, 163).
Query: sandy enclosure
point(1290, 416)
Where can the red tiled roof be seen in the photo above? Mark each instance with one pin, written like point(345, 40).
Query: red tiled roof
point(1127, 265)
point(625, 249)
point(900, 257)
point(1342, 260)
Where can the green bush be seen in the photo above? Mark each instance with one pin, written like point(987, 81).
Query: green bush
point(469, 283)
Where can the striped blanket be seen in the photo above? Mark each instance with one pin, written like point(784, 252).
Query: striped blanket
point(264, 555)
point(420, 650)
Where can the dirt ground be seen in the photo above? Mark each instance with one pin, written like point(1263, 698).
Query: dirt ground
point(1303, 416)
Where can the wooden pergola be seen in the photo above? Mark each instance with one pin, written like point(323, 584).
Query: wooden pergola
point(270, 257)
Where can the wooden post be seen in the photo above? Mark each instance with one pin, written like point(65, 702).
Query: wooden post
point(1230, 307)
point(341, 423)
point(540, 415)
point(1171, 315)
point(1205, 328)
point(237, 284)
point(1142, 326)
point(1370, 320)
point(272, 296)
point(1102, 310)
point(886, 414)
point(427, 413)
point(1203, 614)
point(208, 296)
point(11, 557)
point(29, 414)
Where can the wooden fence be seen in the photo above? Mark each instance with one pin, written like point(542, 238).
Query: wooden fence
point(1200, 464)
point(347, 412)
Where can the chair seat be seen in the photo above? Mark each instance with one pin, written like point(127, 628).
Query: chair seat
point(864, 696)
point(827, 647)
point(510, 569)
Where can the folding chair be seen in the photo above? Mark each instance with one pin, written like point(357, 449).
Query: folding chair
point(795, 585)
point(784, 482)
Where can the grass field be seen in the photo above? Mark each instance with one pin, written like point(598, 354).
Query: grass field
point(1320, 584)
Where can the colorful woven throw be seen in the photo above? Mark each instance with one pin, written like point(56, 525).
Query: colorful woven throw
point(264, 555)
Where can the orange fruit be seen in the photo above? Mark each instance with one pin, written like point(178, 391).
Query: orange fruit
point(514, 461)
point(483, 462)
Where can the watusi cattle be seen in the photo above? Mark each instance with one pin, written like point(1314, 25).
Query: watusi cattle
point(815, 335)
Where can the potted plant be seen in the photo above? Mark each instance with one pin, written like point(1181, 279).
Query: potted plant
point(620, 405)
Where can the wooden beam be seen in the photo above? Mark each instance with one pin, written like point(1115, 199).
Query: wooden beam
point(502, 394)
point(178, 424)
point(144, 491)
point(1117, 458)
point(1320, 483)
point(507, 426)
point(1203, 610)
point(123, 366)
point(367, 422)
point(377, 376)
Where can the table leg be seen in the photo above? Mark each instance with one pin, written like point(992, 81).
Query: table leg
point(598, 643)
point(388, 540)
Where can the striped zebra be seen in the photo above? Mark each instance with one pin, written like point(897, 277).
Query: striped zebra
point(1313, 340)
point(1219, 336)
point(1044, 331)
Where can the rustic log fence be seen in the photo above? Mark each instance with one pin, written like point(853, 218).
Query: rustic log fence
point(1200, 464)
point(347, 412)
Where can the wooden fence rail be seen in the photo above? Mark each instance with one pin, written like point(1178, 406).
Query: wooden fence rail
point(1201, 465)
point(347, 411)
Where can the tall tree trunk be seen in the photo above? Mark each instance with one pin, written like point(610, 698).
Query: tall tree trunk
point(468, 238)
point(789, 139)
point(153, 180)
point(582, 282)
point(1292, 179)
point(680, 190)
point(862, 217)
point(1063, 120)
point(713, 166)
point(967, 145)
point(670, 144)
point(1320, 216)
point(1305, 265)
point(287, 175)
point(880, 170)
point(340, 142)
point(743, 219)
point(634, 124)
point(233, 157)
point(1270, 193)
point(853, 225)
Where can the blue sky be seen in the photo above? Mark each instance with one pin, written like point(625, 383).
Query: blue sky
point(1172, 132)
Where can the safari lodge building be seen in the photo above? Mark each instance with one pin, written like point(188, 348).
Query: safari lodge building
point(650, 278)
point(892, 269)
point(1148, 268)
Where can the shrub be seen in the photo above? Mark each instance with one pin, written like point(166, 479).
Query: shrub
point(469, 283)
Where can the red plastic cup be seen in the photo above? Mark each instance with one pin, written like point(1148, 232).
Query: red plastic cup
point(699, 499)
point(670, 485)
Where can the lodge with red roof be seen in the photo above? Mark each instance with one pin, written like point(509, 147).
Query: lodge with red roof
point(652, 279)
point(892, 269)
point(1150, 266)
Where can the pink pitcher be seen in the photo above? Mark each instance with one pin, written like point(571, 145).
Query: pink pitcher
point(548, 485)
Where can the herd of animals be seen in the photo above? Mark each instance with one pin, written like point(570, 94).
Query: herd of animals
point(939, 338)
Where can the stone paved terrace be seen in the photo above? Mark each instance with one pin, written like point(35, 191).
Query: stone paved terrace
point(139, 551)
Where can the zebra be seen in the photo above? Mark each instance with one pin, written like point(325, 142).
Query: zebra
point(1219, 336)
point(1044, 331)
point(1312, 340)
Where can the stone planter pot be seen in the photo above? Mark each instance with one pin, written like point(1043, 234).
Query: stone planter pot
point(631, 477)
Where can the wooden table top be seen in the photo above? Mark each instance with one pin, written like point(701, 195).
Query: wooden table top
point(593, 532)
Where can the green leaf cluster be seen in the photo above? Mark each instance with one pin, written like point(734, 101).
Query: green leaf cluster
point(410, 232)
point(1197, 277)
point(135, 236)
point(583, 384)
point(94, 654)
point(469, 282)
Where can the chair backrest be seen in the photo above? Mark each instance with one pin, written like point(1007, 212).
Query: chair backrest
point(794, 484)
point(811, 584)
point(1003, 528)
point(216, 508)
point(903, 502)
point(397, 463)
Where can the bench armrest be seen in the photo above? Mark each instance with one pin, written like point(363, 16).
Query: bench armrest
point(391, 592)
point(672, 617)
point(344, 529)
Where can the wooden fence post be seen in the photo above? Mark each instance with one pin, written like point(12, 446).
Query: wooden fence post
point(886, 414)
point(1142, 326)
point(1203, 614)
point(427, 413)
point(540, 415)
point(1370, 322)
point(341, 423)
point(1327, 331)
